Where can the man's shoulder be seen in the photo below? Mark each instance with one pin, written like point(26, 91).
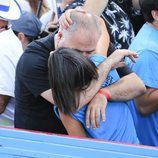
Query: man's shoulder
point(36, 54)
point(43, 44)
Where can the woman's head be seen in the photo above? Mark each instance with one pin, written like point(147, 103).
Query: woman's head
point(69, 74)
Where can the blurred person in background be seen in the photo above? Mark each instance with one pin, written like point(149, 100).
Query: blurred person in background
point(34, 4)
point(10, 52)
point(27, 28)
point(50, 19)
point(145, 107)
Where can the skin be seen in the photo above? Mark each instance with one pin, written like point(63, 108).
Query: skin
point(23, 39)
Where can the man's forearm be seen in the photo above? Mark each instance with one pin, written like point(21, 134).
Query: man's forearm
point(126, 88)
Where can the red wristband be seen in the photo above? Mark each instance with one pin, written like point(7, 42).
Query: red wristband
point(106, 94)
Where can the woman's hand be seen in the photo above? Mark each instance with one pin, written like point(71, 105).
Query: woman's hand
point(96, 111)
point(103, 43)
point(116, 59)
point(65, 19)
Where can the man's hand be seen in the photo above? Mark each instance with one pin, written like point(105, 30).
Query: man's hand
point(65, 19)
point(96, 110)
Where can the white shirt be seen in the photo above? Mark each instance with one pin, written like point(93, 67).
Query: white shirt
point(10, 52)
point(25, 6)
point(47, 16)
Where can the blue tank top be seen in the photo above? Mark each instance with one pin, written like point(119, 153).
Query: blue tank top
point(119, 125)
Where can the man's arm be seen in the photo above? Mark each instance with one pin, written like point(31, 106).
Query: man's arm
point(147, 103)
point(4, 99)
point(123, 90)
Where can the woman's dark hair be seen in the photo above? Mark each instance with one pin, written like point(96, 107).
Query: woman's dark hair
point(146, 7)
point(69, 74)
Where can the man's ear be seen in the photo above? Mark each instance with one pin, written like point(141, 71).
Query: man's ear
point(154, 14)
point(58, 37)
point(21, 36)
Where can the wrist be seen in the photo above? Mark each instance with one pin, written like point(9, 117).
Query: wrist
point(104, 93)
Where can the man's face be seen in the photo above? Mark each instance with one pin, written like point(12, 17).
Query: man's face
point(83, 42)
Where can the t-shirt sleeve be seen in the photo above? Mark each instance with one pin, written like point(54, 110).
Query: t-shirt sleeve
point(123, 71)
point(146, 67)
point(33, 71)
point(33, 65)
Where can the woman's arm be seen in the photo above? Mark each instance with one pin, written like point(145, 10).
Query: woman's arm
point(103, 43)
point(73, 127)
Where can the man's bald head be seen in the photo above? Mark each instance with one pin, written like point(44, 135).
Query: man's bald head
point(82, 35)
point(83, 23)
